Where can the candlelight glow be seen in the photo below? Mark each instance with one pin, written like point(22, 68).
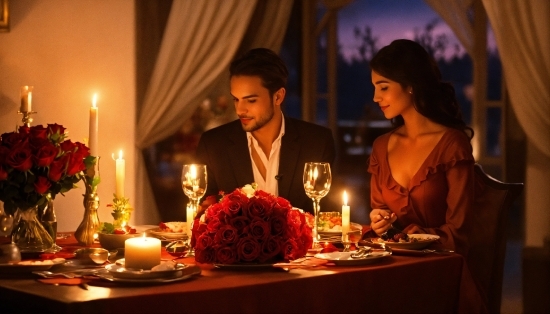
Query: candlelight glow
point(94, 101)
point(345, 198)
point(193, 172)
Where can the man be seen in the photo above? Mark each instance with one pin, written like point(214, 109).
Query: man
point(262, 146)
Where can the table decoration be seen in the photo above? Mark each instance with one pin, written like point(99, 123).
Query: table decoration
point(25, 108)
point(317, 180)
point(142, 252)
point(251, 226)
point(36, 164)
point(194, 183)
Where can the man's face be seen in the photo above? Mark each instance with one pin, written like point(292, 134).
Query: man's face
point(253, 104)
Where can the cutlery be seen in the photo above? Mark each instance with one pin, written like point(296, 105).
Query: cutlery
point(68, 274)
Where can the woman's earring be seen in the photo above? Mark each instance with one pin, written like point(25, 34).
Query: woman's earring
point(410, 92)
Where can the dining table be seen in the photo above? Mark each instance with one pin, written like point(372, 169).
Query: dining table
point(422, 283)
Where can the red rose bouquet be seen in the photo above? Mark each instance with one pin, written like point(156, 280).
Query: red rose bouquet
point(251, 226)
point(37, 163)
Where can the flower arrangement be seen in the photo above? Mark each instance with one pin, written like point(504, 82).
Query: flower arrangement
point(37, 163)
point(251, 226)
point(122, 211)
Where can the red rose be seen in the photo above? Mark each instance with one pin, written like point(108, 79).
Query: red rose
point(226, 255)
point(248, 249)
point(42, 185)
point(4, 152)
point(270, 248)
point(204, 241)
point(82, 150)
point(233, 208)
point(13, 139)
point(3, 173)
point(306, 241)
point(213, 225)
point(291, 250)
point(259, 229)
point(205, 256)
point(57, 169)
point(20, 159)
point(226, 235)
point(278, 224)
point(257, 207)
point(39, 131)
point(68, 146)
point(240, 223)
point(56, 129)
point(75, 165)
point(45, 155)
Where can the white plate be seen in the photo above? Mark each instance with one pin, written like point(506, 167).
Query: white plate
point(118, 271)
point(244, 266)
point(355, 227)
point(182, 276)
point(421, 241)
point(26, 266)
point(158, 233)
point(345, 259)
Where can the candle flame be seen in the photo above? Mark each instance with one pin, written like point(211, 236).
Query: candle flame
point(345, 198)
point(315, 174)
point(94, 101)
point(193, 172)
point(120, 155)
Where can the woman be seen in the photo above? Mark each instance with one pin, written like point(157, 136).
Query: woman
point(422, 171)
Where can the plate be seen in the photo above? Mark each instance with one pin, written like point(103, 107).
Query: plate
point(189, 272)
point(163, 235)
point(354, 227)
point(422, 241)
point(245, 266)
point(29, 266)
point(345, 259)
point(119, 271)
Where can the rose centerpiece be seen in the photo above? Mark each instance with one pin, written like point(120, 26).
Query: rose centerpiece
point(251, 226)
point(36, 164)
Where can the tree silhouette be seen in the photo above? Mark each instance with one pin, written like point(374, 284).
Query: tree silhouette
point(367, 43)
point(436, 45)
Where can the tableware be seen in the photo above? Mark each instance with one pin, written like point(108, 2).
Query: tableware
point(245, 266)
point(29, 266)
point(119, 271)
point(177, 248)
point(355, 227)
point(92, 256)
point(191, 271)
point(317, 180)
point(111, 241)
point(194, 183)
point(164, 235)
point(345, 259)
point(417, 241)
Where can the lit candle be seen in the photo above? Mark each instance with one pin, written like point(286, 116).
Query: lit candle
point(141, 252)
point(190, 216)
point(26, 99)
point(92, 138)
point(120, 168)
point(345, 219)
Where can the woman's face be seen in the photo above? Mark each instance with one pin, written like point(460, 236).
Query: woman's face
point(392, 98)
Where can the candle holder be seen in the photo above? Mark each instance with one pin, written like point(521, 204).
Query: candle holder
point(27, 120)
point(194, 182)
point(85, 233)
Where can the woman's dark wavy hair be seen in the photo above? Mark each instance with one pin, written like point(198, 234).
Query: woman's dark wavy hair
point(409, 64)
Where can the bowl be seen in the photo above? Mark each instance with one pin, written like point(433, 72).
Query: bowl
point(94, 256)
point(115, 241)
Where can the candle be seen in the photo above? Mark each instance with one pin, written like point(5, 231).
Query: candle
point(120, 168)
point(141, 252)
point(190, 217)
point(345, 219)
point(92, 138)
point(26, 99)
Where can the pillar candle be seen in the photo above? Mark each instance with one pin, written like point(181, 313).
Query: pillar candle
point(120, 168)
point(141, 252)
point(190, 216)
point(345, 219)
point(92, 138)
point(26, 99)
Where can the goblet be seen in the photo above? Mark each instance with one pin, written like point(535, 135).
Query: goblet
point(317, 180)
point(193, 182)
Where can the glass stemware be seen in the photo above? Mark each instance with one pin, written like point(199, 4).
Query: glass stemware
point(317, 181)
point(193, 182)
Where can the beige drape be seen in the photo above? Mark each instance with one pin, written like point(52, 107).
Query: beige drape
point(200, 40)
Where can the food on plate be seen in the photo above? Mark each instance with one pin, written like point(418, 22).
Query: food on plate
point(44, 262)
point(172, 227)
point(395, 235)
point(109, 228)
point(401, 237)
point(330, 221)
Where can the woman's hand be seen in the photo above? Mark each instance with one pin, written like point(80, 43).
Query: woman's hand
point(381, 220)
point(413, 228)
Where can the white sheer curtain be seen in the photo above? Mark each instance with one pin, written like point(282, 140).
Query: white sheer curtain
point(200, 40)
point(455, 14)
point(522, 31)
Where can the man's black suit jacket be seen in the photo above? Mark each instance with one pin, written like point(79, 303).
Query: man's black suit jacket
point(224, 151)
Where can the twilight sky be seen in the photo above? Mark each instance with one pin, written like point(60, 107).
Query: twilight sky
point(388, 20)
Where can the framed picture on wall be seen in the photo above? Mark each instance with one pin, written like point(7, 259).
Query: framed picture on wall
point(4, 16)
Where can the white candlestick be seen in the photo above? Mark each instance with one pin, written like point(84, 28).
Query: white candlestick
point(92, 138)
point(190, 216)
point(26, 99)
point(141, 252)
point(120, 169)
point(345, 219)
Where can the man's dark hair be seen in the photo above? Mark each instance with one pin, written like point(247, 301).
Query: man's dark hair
point(263, 63)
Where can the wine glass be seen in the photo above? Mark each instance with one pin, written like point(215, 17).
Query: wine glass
point(193, 182)
point(317, 180)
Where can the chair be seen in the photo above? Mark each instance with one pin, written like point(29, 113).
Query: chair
point(487, 239)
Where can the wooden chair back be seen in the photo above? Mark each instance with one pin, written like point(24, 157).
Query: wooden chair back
point(487, 239)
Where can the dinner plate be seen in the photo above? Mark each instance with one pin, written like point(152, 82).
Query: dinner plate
point(119, 271)
point(188, 273)
point(245, 266)
point(354, 227)
point(345, 259)
point(29, 266)
point(417, 242)
point(163, 235)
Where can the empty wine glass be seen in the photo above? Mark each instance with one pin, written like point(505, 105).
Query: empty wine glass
point(317, 180)
point(193, 182)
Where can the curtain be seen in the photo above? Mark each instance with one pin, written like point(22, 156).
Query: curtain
point(455, 14)
point(200, 40)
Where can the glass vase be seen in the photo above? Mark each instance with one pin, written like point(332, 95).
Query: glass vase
point(29, 235)
point(49, 221)
point(85, 232)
